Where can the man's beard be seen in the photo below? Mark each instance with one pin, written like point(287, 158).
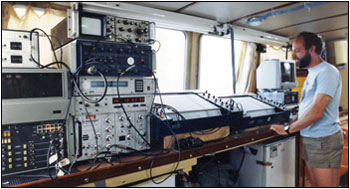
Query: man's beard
point(305, 61)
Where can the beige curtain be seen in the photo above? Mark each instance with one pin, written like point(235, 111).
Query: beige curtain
point(31, 20)
point(247, 69)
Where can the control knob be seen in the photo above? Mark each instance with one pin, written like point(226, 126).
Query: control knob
point(108, 120)
point(109, 129)
point(130, 61)
point(139, 31)
point(109, 138)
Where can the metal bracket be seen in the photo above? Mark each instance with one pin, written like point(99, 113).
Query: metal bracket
point(72, 24)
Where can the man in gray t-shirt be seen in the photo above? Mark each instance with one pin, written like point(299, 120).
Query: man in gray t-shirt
point(318, 118)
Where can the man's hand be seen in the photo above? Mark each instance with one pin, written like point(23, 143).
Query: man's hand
point(279, 129)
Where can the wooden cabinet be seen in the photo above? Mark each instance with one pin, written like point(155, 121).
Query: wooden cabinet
point(301, 77)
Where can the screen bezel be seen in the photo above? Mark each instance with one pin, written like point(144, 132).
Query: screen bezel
point(102, 18)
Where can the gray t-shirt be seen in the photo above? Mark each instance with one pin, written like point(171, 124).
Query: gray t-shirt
point(322, 79)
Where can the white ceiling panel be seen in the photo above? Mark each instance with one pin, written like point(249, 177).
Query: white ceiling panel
point(303, 15)
point(319, 26)
point(335, 35)
point(329, 17)
point(228, 11)
point(170, 6)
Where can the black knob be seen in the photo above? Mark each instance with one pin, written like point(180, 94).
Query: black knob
point(139, 31)
point(145, 30)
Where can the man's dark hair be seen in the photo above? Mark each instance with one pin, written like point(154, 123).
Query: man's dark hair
point(311, 39)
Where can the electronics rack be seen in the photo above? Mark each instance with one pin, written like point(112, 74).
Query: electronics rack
point(109, 58)
point(108, 118)
point(33, 118)
point(113, 64)
point(103, 28)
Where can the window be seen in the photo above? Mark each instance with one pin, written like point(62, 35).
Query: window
point(275, 52)
point(170, 59)
point(22, 9)
point(215, 69)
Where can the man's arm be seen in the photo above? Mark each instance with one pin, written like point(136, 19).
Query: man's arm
point(315, 113)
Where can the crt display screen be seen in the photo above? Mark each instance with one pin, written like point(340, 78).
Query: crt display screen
point(287, 72)
point(91, 26)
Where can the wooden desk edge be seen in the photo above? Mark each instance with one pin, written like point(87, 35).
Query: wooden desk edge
point(82, 178)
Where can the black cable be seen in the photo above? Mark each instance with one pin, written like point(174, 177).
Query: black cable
point(108, 152)
point(122, 106)
point(60, 62)
point(48, 157)
point(190, 125)
point(61, 50)
point(54, 138)
point(98, 153)
point(76, 85)
point(74, 81)
point(105, 82)
point(92, 125)
point(240, 166)
point(174, 135)
point(95, 159)
point(52, 48)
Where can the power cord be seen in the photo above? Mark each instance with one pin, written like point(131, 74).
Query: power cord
point(53, 140)
point(61, 50)
point(48, 37)
point(93, 71)
point(174, 135)
point(122, 106)
point(59, 64)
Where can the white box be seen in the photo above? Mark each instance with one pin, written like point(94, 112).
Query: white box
point(17, 49)
point(266, 164)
